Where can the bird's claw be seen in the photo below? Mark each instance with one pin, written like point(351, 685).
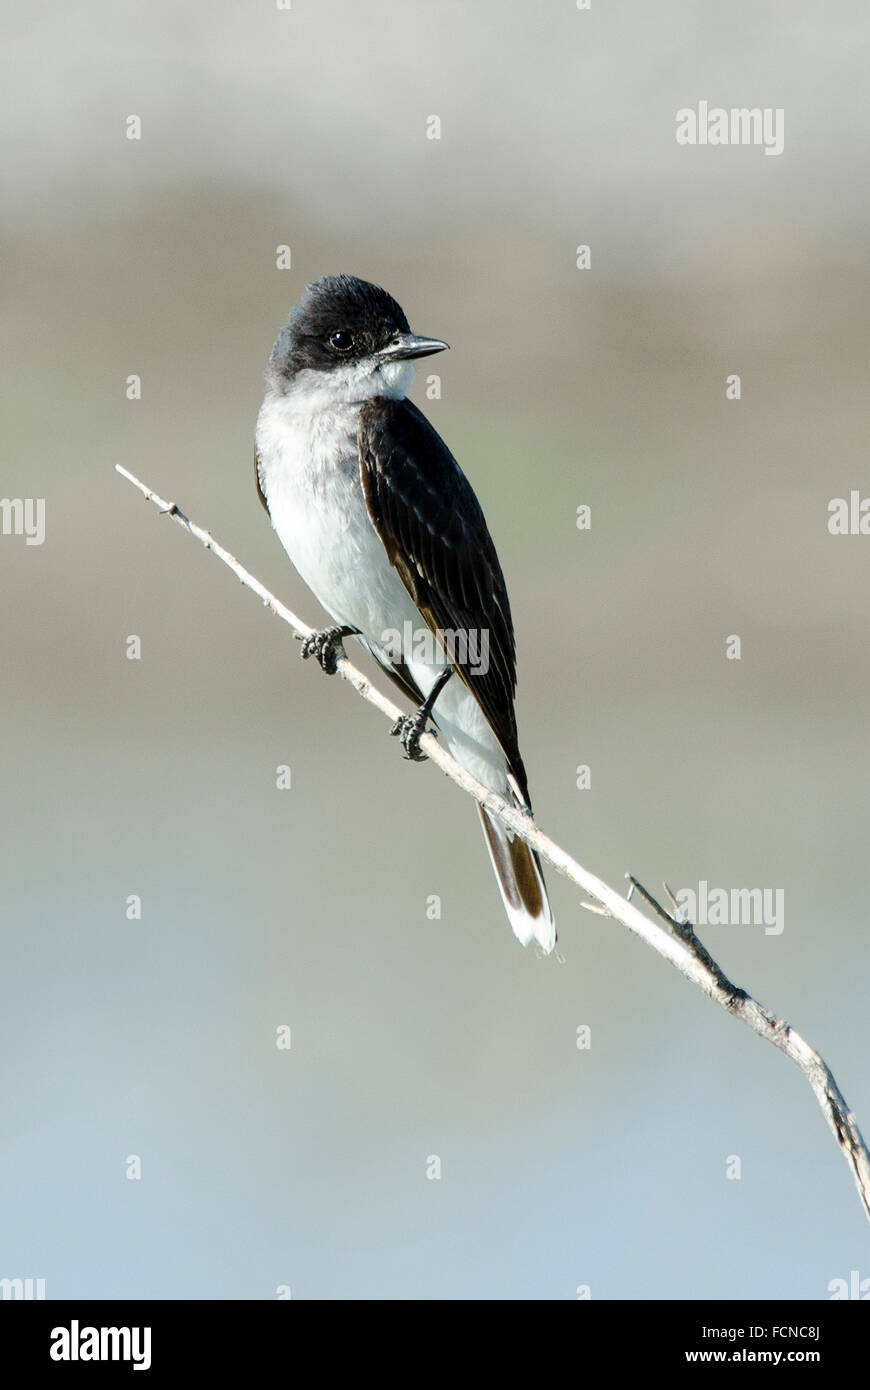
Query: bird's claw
point(410, 729)
point(326, 647)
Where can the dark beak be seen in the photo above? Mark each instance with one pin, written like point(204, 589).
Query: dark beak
point(408, 345)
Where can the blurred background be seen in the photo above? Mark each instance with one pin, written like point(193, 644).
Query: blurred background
point(307, 908)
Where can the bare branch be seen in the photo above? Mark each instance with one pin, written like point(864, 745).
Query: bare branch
point(676, 941)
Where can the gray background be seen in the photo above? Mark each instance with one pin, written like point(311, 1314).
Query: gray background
point(308, 908)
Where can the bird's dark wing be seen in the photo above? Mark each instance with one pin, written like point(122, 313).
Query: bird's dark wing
point(425, 512)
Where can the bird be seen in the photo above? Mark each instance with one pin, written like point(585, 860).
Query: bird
point(386, 531)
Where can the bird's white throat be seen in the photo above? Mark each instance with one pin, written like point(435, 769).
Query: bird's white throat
point(352, 383)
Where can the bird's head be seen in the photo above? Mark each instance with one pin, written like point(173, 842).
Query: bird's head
point(354, 340)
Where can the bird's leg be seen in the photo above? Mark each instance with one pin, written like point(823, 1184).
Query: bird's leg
point(410, 727)
point(326, 646)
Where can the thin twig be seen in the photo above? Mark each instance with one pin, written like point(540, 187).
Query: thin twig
point(676, 940)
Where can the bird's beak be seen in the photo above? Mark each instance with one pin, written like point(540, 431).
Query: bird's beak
point(408, 345)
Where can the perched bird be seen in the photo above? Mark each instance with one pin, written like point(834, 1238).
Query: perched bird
point(385, 530)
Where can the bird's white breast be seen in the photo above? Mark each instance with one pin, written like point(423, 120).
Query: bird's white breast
point(310, 474)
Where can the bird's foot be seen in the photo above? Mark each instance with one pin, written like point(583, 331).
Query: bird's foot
point(326, 646)
point(410, 729)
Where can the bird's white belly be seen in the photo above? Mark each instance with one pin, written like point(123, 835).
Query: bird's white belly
point(312, 483)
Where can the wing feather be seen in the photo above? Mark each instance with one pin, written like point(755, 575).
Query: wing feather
point(434, 532)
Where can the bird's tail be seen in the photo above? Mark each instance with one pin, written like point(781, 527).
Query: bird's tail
point(521, 883)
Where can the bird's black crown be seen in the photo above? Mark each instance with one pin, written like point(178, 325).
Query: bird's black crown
point(338, 318)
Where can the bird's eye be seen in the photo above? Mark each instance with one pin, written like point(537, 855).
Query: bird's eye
point(342, 341)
